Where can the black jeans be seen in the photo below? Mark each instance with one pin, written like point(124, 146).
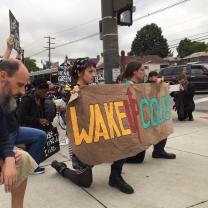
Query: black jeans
point(84, 178)
point(139, 158)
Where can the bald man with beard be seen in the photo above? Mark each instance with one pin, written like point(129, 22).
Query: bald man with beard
point(15, 166)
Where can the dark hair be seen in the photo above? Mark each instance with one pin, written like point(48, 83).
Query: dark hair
point(10, 66)
point(80, 65)
point(182, 76)
point(152, 74)
point(130, 69)
point(119, 79)
point(40, 84)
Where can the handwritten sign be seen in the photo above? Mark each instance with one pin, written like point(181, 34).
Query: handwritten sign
point(52, 145)
point(14, 30)
point(63, 73)
point(110, 122)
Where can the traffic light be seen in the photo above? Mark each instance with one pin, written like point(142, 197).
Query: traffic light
point(124, 10)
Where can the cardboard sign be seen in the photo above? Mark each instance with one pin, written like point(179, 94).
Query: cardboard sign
point(111, 122)
point(14, 30)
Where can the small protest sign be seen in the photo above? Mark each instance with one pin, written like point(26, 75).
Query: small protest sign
point(14, 31)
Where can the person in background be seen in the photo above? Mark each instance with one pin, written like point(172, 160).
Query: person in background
point(15, 165)
point(83, 73)
point(134, 73)
point(35, 110)
point(184, 99)
point(119, 79)
point(37, 113)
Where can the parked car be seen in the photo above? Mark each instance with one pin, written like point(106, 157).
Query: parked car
point(197, 74)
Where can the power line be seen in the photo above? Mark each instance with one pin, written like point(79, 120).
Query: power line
point(187, 37)
point(194, 39)
point(161, 10)
point(137, 19)
point(68, 29)
point(74, 41)
point(142, 17)
point(77, 26)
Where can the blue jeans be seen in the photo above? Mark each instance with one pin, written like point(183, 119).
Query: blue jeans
point(34, 139)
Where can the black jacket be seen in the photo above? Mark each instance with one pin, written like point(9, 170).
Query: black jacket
point(184, 100)
point(6, 148)
point(12, 122)
point(29, 113)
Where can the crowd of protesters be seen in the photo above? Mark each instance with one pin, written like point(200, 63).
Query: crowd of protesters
point(26, 112)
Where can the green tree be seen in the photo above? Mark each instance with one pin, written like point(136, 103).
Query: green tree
point(150, 41)
point(31, 64)
point(186, 47)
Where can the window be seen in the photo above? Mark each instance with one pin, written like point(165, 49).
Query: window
point(197, 70)
point(166, 72)
point(178, 70)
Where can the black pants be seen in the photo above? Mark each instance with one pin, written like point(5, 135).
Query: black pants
point(187, 114)
point(84, 177)
point(139, 158)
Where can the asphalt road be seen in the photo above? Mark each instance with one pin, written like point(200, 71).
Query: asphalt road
point(201, 101)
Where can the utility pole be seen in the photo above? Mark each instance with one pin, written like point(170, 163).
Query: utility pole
point(110, 40)
point(114, 13)
point(49, 48)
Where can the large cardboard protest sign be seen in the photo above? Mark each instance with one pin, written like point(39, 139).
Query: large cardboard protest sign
point(14, 30)
point(110, 122)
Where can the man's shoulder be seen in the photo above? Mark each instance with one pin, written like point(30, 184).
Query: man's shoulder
point(28, 97)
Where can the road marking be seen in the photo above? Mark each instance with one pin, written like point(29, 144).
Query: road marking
point(201, 100)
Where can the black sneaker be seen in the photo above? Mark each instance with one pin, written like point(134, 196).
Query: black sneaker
point(163, 155)
point(39, 171)
point(118, 182)
point(59, 166)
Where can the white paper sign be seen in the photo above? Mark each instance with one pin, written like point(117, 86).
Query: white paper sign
point(116, 73)
point(174, 88)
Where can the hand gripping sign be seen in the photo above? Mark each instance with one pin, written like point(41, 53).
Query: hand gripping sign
point(111, 122)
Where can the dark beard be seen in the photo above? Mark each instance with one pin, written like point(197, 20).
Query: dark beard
point(8, 104)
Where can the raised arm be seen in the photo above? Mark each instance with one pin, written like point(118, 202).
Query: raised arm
point(8, 50)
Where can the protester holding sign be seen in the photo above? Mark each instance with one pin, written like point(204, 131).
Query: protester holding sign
point(133, 74)
point(184, 99)
point(159, 151)
point(83, 72)
point(9, 46)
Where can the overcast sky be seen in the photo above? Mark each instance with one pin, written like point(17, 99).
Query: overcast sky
point(69, 20)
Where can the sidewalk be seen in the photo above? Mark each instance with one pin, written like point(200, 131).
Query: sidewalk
point(180, 183)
